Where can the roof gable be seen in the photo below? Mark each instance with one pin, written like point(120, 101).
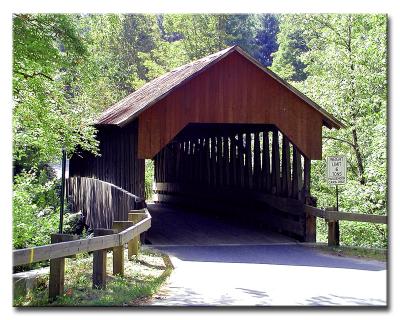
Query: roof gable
point(134, 104)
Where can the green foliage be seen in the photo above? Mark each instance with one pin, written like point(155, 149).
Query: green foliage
point(46, 47)
point(142, 278)
point(35, 209)
point(266, 39)
point(345, 62)
point(148, 179)
point(287, 60)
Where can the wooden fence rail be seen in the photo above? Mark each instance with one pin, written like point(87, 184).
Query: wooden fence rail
point(57, 252)
point(333, 217)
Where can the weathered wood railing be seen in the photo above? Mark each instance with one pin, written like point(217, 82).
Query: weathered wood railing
point(333, 217)
point(122, 232)
point(101, 202)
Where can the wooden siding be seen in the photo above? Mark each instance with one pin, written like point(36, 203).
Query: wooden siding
point(232, 91)
point(118, 163)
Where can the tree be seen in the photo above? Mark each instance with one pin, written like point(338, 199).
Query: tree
point(346, 67)
point(241, 30)
point(46, 47)
point(266, 39)
point(287, 61)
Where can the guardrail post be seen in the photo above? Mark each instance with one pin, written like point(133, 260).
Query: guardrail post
point(118, 252)
point(333, 233)
point(133, 245)
point(333, 229)
point(311, 221)
point(100, 261)
point(57, 267)
point(311, 228)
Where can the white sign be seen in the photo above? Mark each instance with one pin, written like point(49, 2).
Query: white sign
point(336, 170)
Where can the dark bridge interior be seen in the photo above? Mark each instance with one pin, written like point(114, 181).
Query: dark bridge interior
point(246, 173)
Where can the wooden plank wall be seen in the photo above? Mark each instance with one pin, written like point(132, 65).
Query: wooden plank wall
point(233, 90)
point(100, 202)
point(253, 163)
point(118, 163)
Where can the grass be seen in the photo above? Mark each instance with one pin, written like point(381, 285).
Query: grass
point(354, 252)
point(143, 277)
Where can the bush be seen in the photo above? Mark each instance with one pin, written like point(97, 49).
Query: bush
point(35, 208)
point(148, 179)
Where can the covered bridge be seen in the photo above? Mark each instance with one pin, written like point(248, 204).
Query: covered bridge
point(225, 134)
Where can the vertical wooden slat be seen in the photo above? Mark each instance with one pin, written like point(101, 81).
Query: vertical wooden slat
point(285, 166)
point(307, 177)
point(297, 180)
point(257, 161)
point(275, 163)
point(241, 179)
point(233, 171)
point(266, 163)
point(208, 161)
point(220, 161)
point(249, 160)
point(226, 161)
point(213, 162)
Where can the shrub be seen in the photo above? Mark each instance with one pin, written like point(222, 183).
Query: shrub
point(35, 208)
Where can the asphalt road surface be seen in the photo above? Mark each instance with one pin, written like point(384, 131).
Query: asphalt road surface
point(269, 275)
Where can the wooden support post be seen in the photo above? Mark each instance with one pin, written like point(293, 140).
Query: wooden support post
point(208, 160)
point(57, 268)
point(333, 233)
point(307, 177)
point(118, 252)
point(213, 162)
point(226, 162)
point(220, 163)
point(285, 166)
point(249, 164)
point(276, 172)
point(311, 228)
point(257, 162)
point(266, 163)
point(233, 161)
point(241, 179)
point(297, 180)
point(100, 261)
point(133, 245)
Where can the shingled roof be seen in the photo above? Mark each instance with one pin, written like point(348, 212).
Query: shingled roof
point(131, 106)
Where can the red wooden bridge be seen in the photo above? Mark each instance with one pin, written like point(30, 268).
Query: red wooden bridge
point(227, 136)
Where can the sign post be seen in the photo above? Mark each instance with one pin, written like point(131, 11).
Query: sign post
point(336, 173)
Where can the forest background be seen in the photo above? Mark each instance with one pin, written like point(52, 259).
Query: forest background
point(68, 68)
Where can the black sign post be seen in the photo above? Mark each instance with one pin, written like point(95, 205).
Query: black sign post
point(337, 198)
point(63, 163)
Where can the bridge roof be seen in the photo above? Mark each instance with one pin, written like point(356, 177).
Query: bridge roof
point(134, 104)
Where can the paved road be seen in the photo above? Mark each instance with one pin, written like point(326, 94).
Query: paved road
point(277, 275)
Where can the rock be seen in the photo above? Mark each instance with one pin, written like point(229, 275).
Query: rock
point(23, 282)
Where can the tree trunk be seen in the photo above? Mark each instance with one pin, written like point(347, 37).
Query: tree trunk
point(360, 165)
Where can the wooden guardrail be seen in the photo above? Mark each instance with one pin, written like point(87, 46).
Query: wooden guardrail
point(333, 218)
point(122, 232)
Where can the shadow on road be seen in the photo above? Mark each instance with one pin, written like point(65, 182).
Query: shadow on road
point(274, 254)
